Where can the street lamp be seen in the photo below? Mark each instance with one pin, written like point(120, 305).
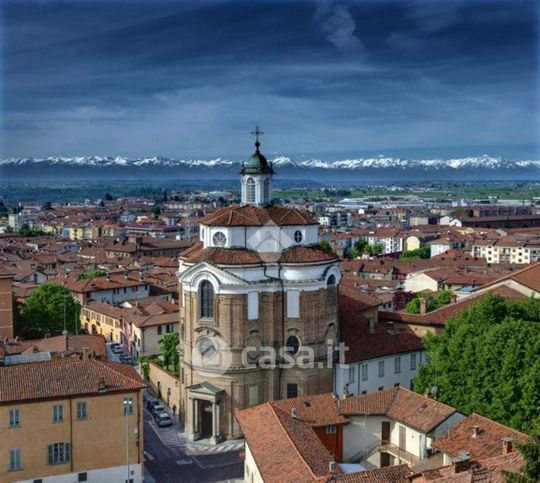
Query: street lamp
point(128, 403)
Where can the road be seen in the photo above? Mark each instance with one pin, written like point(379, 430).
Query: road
point(167, 462)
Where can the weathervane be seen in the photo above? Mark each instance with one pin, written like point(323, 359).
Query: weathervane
point(257, 133)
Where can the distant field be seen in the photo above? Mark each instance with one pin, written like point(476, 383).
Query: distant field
point(288, 190)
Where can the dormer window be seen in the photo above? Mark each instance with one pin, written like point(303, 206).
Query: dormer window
point(219, 239)
point(298, 237)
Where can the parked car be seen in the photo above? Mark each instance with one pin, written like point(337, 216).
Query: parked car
point(149, 397)
point(158, 409)
point(151, 403)
point(163, 419)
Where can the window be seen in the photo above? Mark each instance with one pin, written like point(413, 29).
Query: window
point(397, 365)
point(14, 418)
point(363, 392)
point(293, 344)
point(15, 459)
point(58, 413)
point(292, 390)
point(364, 372)
point(207, 299)
point(380, 388)
point(332, 429)
point(351, 373)
point(128, 406)
point(413, 362)
point(253, 305)
point(381, 368)
point(159, 330)
point(267, 190)
point(250, 190)
point(331, 281)
point(219, 239)
point(59, 453)
point(169, 328)
point(81, 410)
point(293, 304)
point(396, 384)
point(298, 236)
point(83, 477)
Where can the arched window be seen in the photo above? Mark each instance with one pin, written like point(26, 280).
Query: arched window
point(267, 190)
point(206, 297)
point(331, 281)
point(298, 236)
point(250, 190)
point(293, 344)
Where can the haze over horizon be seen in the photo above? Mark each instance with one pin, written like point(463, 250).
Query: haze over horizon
point(412, 79)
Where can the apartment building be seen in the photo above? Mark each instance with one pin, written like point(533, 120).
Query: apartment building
point(71, 420)
point(507, 250)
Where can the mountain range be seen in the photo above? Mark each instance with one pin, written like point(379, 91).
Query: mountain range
point(376, 169)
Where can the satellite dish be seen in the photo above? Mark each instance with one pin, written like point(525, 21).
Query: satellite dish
point(434, 390)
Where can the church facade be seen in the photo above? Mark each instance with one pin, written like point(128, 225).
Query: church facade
point(259, 314)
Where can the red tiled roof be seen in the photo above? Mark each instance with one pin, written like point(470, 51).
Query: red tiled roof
point(64, 378)
point(410, 408)
point(320, 410)
point(75, 344)
point(306, 254)
point(222, 256)
point(486, 445)
point(389, 474)
point(285, 449)
point(249, 215)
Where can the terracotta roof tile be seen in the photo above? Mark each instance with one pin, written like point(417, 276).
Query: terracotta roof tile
point(320, 410)
point(486, 445)
point(389, 474)
point(64, 378)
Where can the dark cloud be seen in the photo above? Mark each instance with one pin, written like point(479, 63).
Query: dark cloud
point(187, 79)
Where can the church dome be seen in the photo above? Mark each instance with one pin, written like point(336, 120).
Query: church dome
point(257, 164)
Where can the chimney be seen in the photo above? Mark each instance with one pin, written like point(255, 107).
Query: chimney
point(453, 298)
point(475, 431)
point(85, 352)
point(423, 306)
point(102, 387)
point(462, 462)
point(507, 446)
point(35, 349)
point(294, 413)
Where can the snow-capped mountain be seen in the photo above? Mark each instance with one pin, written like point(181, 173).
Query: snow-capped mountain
point(388, 168)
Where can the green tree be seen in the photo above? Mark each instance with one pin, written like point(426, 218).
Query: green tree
point(156, 211)
point(94, 274)
point(325, 245)
point(423, 252)
point(46, 206)
point(530, 450)
point(488, 361)
point(375, 250)
point(144, 361)
point(169, 350)
point(43, 312)
point(359, 248)
point(108, 197)
point(25, 230)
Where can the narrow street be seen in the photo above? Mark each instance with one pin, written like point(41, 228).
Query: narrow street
point(167, 462)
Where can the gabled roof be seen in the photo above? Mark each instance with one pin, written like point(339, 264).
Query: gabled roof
point(414, 410)
point(320, 410)
point(285, 449)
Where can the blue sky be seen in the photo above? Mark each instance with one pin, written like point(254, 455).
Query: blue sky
point(326, 79)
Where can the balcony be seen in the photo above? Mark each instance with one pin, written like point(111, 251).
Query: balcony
point(400, 454)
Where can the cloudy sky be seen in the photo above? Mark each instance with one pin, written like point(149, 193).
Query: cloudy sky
point(327, 79)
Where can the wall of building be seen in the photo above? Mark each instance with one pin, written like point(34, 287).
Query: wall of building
point(374, 382)
point(6, 307)
point(164, 384)
point(98, 442)
point(116, 473)
point(251, 471)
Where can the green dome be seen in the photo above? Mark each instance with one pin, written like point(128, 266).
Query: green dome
point(256, 164)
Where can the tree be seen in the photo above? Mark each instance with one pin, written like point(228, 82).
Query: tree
point(169, 351)
point(375, 250)
point(359, 248)
point(25, 230)
point(488, 361)
point(46, 206)
point(94, 274)
point(423, 252)
point(43, 311)
point(530, 451)
point(402, 298)
point(156, 211)
point(326, 246)
point(108, 197)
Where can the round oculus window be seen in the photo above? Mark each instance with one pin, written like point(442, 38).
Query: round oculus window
point(219, 239)
point(293, 344)
point(207, 348)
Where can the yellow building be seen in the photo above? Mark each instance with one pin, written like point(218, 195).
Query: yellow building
point(103, 319)
point(71, 420)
